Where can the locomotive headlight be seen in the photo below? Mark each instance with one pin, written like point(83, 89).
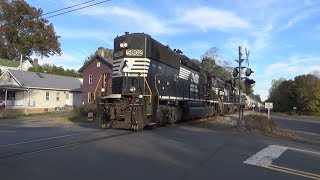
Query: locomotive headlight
point(132, 89)
point(103, 90)
point(123, 45)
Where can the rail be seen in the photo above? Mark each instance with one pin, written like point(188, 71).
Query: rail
point(155, 82)
point(94, 94)
point(150, 92)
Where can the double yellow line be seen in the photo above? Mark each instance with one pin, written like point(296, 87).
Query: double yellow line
point(293, 171)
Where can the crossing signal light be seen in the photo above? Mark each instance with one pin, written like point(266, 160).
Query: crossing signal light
point(249, 82)
point(235, 72)
point(248, 72)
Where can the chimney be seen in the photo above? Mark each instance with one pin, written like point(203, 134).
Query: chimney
point(35, 61)
point(100, 51)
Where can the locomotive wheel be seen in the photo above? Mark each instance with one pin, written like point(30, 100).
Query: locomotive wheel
point(174, 115)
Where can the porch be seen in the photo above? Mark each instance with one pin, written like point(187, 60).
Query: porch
point(13, 97)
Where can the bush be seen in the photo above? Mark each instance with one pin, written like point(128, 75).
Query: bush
point(259, 123)
point(85, 109)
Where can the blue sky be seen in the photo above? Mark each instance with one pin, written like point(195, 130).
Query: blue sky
point(283, 36)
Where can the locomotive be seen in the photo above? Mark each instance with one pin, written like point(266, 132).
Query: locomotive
point(153, 84)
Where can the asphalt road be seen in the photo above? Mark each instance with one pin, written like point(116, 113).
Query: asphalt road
point(308, 126)
point(32, 151)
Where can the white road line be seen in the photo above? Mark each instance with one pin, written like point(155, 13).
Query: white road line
point(266, 155)
point(7, 131)
point(37, 140)
point(303, 132)
point(293, 119)
point(307, 151)
point(14, 125)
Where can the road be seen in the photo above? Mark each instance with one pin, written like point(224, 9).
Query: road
point(307, 129)
point(29, 150)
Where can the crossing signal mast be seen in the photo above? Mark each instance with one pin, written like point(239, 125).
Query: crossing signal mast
point(237, 74)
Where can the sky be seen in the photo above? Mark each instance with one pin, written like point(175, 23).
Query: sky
point(283, 36)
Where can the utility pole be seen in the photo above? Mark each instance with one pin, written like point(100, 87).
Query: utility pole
point(240, 60)
point(237, 74)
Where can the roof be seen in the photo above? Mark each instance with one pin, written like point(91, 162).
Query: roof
point(9, 63)
point(29, 79)
point(105, 60)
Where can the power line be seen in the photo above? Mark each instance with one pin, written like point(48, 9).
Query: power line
point(67, 7)
point(77, 9)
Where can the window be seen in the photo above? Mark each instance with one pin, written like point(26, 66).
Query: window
point(11, 95)
point(47, 96)
point(90, 97)
point(67, 95)
point(90, 78)
point(57, 98)
point(98, 64)
point(105, 80)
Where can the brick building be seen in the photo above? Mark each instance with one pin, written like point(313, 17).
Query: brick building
point(96, 74)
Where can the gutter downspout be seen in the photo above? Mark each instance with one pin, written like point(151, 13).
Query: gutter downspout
point(5, 98)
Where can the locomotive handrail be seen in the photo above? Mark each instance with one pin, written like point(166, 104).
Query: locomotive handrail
point(155, 82)
point(94, 94)
point(150, 92)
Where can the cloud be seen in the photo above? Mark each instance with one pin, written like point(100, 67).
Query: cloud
point(298, 17)
point(207, 18)
point(296, 64)
point(134, 18)
point(67, 60)
point(77, 33)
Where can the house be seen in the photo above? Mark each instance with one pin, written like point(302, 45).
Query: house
point(96, 74)
point(10, 64)
point(31, 92)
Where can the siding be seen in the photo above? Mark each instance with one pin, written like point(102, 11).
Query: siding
point(6, 80)
point(37, 98)
point(96, 72)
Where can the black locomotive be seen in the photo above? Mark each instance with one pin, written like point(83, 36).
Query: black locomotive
point(154, 85)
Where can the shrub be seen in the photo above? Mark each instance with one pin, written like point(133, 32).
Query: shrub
point(86, 108)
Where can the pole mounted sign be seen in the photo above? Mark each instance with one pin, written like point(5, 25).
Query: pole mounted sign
point(268, 105)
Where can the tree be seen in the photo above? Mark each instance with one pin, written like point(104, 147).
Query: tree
point(247, 89)
point(88, 59)
point(209, 62)
point(24, 31)
point(303, 92)
point(52, 69)
point(103, 52)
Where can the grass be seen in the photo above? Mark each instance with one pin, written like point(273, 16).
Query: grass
point(10, 63)
point(261, 124)
point(77, 118)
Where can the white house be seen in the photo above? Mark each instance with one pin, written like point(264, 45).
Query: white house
point(32, 92)
point(15, 65)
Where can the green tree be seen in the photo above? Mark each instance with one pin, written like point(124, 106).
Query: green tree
point(101, 51)
point(307, 89)
point(209, 62)
point(52, 69)
point(88, 59)
point(24, 31)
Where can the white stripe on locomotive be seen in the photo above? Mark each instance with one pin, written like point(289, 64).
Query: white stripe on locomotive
point(132, 68)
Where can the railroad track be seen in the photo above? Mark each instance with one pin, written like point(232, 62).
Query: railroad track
point(65, 145)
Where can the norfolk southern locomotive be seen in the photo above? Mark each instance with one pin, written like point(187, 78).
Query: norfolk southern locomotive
point(154, 85)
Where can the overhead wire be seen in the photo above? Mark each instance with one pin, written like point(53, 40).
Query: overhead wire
point(76, 9)
point(67, 7)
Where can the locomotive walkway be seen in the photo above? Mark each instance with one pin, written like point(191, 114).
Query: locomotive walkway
point(32, 150)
